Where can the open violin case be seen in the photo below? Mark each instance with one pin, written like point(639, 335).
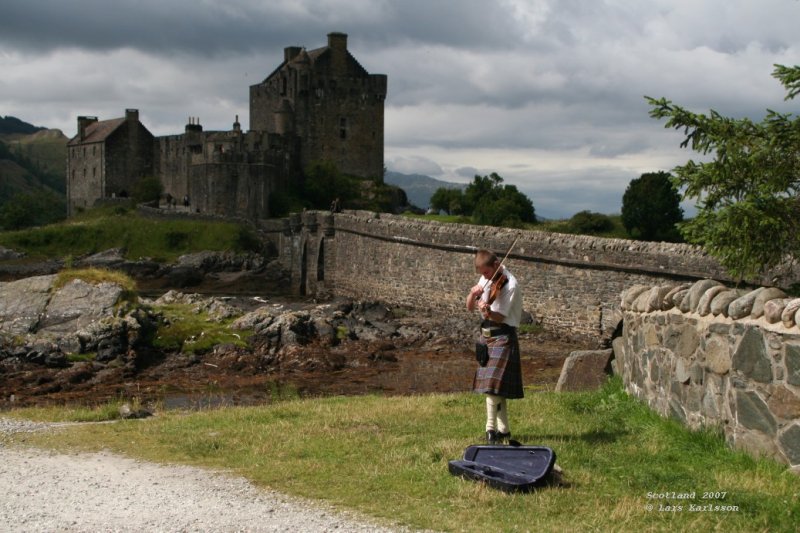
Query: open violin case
point(507, 468)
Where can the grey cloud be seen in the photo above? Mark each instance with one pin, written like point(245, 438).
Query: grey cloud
point(415, 165)
point(467, 172)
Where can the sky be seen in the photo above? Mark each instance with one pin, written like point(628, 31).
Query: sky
point(547, 93)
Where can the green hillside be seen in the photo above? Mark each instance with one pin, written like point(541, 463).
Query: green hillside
point(45, 149)
point(32, 175)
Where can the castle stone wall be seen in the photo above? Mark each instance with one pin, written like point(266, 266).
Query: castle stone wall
point(714, 357)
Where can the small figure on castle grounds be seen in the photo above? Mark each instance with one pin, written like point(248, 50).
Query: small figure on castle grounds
point(498, 297)
point(185, 201)
point(336, 206)
point(168, 199)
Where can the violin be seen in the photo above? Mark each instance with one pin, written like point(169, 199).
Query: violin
point(497, 286)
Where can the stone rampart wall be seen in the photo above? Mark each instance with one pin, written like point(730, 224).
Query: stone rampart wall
point(571, 283)
point(712, 356)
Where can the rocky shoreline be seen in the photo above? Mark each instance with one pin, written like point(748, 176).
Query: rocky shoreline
point(90, 342)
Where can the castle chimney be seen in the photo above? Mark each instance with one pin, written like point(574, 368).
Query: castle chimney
point(236, 125)
point(337, 42)
point(131, 114)
point(290, 52)
point(83, 123)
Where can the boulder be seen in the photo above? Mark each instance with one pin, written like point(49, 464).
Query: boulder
point(696, 292)
point(742, 306)
point(787, 316)
point(23, 302)
point(79, 303)
point(678, 298)
point(773, 309)
point(629, 296)
point(704, 305)
point(584, 370)
point(655, 298)
point(669, 301)
point(110, 258)
point(769, 293)
point(719, 305)
point(7, 253)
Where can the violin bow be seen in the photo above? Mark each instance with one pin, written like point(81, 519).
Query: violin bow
point(501, 262)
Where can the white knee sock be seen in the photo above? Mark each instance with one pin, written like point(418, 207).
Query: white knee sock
point(496, 414)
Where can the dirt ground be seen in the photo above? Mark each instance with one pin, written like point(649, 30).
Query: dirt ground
point(224, 378)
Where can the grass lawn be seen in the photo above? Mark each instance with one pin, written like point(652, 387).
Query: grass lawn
point(387, 457)
point(549, 226)
point(102, 228)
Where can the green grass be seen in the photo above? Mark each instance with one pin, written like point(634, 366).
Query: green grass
point(99, 413)
point(99, 229)
point(387, 457)
point(563, 226)
point(193, 333)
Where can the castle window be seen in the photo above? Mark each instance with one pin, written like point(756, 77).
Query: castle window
point(94, 149)
point(343, 128)
point(283, 86)
point(94, 172)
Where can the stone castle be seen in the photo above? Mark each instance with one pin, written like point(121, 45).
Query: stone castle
point(317, 105)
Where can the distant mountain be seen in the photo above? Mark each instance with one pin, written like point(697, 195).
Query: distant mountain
point(9, 125)
point(32, 163)
point(419, 188)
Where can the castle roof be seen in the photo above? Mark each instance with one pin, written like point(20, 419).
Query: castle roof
point(97, 131)
point(320, 55)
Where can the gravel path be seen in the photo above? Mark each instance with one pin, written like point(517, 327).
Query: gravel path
point(45, 491)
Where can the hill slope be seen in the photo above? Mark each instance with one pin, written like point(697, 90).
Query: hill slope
point(419, 187)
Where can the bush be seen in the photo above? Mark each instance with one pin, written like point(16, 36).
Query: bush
point(147, 189)
point(590, 223)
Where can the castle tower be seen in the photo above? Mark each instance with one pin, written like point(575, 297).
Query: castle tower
point(327, 99)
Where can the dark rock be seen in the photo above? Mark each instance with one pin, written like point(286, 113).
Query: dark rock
point(584, 370)
point(784, 404)
point(792, 358)
point(383, 356)
point(127, 412)
point(56, 360)
point(676, 411)
point(753, 413)
point(372, 311)
point(790, 443)
point(751, 358)
point(185, 276)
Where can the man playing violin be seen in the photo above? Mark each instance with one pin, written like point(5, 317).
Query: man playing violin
point(498, 297)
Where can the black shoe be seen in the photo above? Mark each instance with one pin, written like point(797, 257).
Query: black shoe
point(491, 437)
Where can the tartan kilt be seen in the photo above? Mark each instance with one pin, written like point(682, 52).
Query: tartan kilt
point(502, 375)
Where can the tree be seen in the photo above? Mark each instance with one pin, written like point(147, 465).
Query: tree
point(491, 203)
point(449, 200)
point(589, 223)
point(748, 208)
point(324, 183)
point(651, 208)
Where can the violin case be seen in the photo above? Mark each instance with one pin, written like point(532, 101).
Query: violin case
point(507, 468)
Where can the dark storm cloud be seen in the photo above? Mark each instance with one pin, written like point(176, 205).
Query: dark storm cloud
point(205, 27)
